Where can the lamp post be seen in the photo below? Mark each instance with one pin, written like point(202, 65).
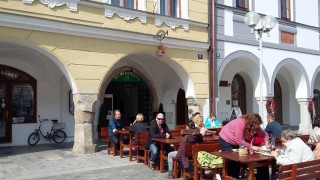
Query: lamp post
point(267, 24)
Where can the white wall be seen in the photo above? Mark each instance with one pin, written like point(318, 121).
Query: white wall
point(306, 12)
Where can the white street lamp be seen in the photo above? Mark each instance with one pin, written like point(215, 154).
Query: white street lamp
point(267, 24)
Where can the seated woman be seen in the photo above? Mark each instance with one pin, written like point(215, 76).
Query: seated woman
point(295, 149)
point(198, 120)
point(138, 126)
point(212, 121)
point(190, 135)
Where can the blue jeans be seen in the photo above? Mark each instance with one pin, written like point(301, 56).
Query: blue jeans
point(153, 153)
point(154, 150)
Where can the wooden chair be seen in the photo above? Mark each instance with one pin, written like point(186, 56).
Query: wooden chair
point(105, 137)
point(199, 171)
point(229, 178)
point(140, 146)
point(175, 133)
point(303, 137)
point(180, 127)
point(187, 153)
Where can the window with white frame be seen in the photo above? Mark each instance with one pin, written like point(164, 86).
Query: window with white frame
point(173, 8)
point(170, 7)
point(242, 4)
point(285, 9)
point(130, 4)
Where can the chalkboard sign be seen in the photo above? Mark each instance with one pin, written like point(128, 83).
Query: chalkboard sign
point(235, 113)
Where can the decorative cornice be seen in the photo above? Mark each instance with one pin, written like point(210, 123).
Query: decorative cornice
point(126, 14)
point(46, 25)
point(172, 23)
point(71, 4)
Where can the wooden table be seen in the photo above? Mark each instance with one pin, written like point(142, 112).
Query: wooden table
point(123, 145)
point(216, 129)
point(171, 141)
point(254, 161)
point(211, 138)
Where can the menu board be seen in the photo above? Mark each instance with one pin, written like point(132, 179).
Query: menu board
point(235, 113)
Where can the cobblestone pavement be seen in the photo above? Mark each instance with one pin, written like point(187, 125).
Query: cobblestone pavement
point(57, 161)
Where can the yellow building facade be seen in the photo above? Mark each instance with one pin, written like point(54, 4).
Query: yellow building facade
point(61, 59)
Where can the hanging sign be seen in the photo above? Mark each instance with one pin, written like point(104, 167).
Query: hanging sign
point(127, 77)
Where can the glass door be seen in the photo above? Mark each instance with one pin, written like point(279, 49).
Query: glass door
point(5, 124)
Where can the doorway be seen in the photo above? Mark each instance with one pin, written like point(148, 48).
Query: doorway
point(278, 101)
point(131, 96)
point(238, 93)
point(17, 99)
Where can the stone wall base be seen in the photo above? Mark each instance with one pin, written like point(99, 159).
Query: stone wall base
point(83, 139)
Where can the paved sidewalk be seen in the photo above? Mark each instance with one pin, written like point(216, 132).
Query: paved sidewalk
point(57, 161)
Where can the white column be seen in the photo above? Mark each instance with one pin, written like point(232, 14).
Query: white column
point(305, 125)
point(264, 110)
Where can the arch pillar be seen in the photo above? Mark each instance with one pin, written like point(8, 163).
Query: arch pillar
point(84, 128)
point(264, 110)
point(305, 118)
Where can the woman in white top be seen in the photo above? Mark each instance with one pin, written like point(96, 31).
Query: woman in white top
point(198, 120)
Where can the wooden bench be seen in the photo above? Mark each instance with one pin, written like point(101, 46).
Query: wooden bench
point(303, 171)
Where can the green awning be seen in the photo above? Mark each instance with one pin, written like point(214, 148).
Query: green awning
point(127, 77)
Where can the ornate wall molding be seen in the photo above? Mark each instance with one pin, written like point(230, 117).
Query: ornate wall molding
point(71, 4)
point(126, 14)
point(172, 23)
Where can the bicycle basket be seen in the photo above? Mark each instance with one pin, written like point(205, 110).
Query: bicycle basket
point(59, 125)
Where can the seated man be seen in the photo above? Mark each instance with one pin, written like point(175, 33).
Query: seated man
point(192, 135)
point(115, 125)
point(273, 128)
point(158, 129)
point(295, 149)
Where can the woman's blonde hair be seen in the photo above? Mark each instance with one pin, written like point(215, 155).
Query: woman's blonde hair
point(197, 118)
point(139, 117)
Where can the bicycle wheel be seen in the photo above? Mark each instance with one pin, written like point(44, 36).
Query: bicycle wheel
point(59, 136)
point(33, 139)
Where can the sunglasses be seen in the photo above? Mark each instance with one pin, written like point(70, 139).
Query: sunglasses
point(160, 118)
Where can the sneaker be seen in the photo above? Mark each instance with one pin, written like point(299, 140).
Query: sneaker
point(170, 174)
point(152, 165)
point(118, 153)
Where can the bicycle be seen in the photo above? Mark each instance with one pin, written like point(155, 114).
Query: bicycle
point(57, 135)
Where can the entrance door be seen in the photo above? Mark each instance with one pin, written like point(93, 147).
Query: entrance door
point(5, 124)
point(238, 93)
point(278, 100)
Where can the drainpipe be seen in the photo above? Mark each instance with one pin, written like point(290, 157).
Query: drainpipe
point(212, 57)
